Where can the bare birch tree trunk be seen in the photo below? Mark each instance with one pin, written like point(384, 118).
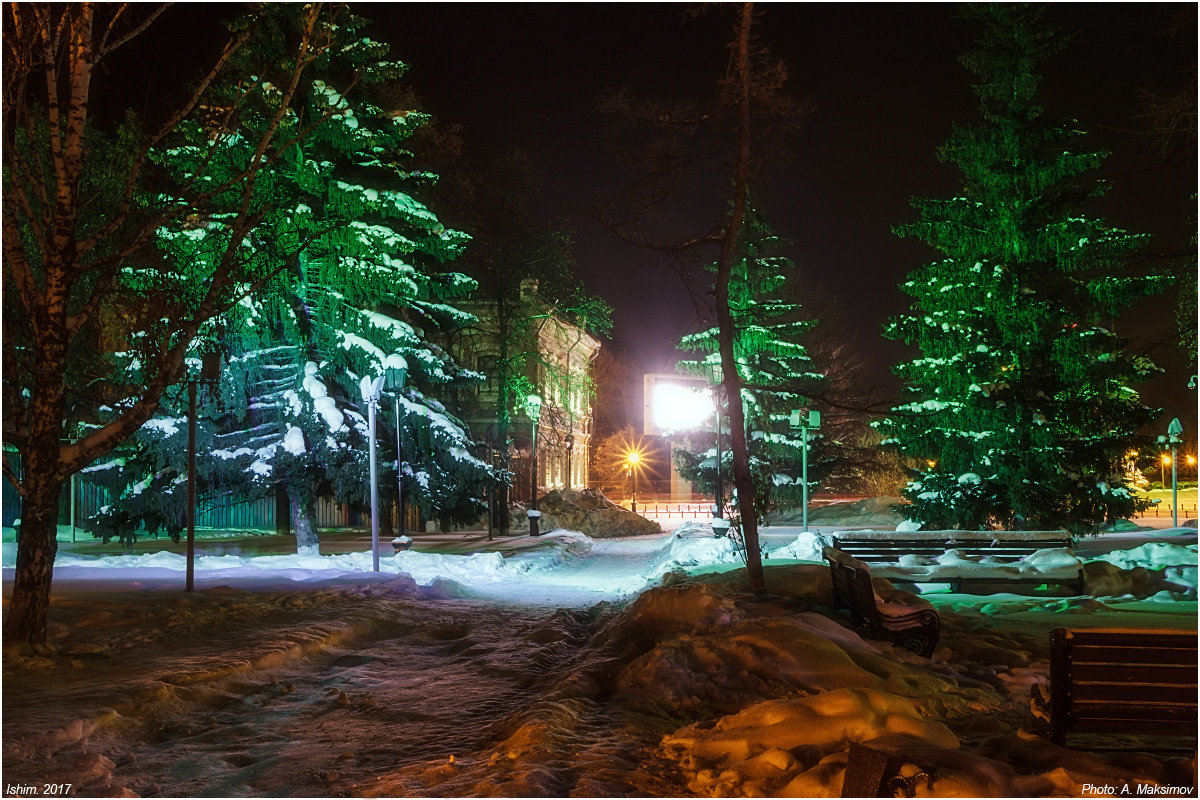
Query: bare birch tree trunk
point(742, 477)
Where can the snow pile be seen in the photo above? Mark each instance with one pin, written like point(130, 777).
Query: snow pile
point(807, 547)
point(774, 696)
point(1157, 571)
point(586, 510)
point(782, 747)
point(1153, 555)
point(685, 549)
point(552, 551)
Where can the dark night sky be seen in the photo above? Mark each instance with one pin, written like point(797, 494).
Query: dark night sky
point(884, 84)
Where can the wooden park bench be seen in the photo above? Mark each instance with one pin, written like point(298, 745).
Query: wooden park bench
point(1106, 680)
point(999, 548)
point(915, 629)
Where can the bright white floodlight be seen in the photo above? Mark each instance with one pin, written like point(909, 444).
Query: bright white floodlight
point(676, 403)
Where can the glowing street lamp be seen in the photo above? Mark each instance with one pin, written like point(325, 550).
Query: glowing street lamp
point(533, 410)
point(634, 458)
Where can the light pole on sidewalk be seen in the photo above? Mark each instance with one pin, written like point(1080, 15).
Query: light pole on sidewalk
point(396, 372)
point(804, 423)
point(1174, 430)
point(372, 390)
point(533, 409)
point(210, 373)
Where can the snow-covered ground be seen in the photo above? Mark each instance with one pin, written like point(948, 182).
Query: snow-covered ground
point(546, 667)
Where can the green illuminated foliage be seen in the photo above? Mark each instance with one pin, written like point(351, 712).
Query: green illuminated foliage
point(364, 284)
point(1020, 402)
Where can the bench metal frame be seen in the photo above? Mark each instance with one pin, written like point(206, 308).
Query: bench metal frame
point(917, 631)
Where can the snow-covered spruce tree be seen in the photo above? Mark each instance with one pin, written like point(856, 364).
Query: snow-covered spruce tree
point(93, 312)
point(1021, 402)
point(776, 372)
point(290, 415)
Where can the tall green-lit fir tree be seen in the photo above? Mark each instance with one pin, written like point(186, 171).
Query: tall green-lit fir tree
point(1022, 401)
point(775, 367)
point(364, 282)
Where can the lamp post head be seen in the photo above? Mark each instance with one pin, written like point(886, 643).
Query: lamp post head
point(371, 389)
point(1175, 428)
point(210, 366)
point(533, 407)
point(395, 370)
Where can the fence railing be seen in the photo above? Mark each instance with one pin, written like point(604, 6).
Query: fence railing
point(673, 510)
point(1163, 510)
point(224, 511)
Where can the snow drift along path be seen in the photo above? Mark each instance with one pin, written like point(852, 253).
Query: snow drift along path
point(316, 678)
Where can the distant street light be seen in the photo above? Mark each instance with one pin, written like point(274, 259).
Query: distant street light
point(396, 372)
point(371, 392)
point(1173, 432)
point(634, 458)
point(533, 410)
point(804, 423)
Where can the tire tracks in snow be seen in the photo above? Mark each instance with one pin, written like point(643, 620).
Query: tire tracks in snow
point(350, 695)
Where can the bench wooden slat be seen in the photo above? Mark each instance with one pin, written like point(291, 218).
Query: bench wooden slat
point(1183, 674)
point(1097, 654)
point(1164, 727)
point(1131, 694)
point(1128, 711)
point(1182, 640)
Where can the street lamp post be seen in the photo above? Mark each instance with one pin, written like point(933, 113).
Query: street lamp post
point(804, 423)
point(371, 391)
point(210, 372)
point(396, 372)
point(634, 459)
point(1173, 432)
point(533, 409)
point(569, 445)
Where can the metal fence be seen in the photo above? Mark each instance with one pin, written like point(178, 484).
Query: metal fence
point(1163, 510)
point(224, 511)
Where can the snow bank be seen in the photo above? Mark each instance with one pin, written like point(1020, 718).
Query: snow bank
point(807, 547)
point(688, 547)
point(554, 549)
point(778, 747)
point(1157, 571)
